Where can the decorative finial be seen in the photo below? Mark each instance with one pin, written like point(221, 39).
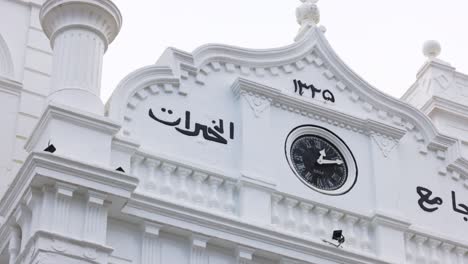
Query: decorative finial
point(431, 49)
point(308, 13)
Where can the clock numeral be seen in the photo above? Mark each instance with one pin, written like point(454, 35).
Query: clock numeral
point(298, 158)
point(300, 167)
point(318, 144)
point(307, 143)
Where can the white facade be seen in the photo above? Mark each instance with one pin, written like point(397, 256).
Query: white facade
point(202, 142)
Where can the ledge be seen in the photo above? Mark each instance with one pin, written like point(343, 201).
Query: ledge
point(43, 168)
point(65, 113)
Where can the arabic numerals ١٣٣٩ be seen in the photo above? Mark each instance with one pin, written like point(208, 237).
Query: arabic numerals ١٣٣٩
point(300, 87)
point(431, 205)
point(212, 133)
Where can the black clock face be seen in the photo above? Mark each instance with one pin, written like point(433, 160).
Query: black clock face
point(318, 162)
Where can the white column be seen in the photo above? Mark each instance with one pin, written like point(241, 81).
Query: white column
point(230, 203)
point(198, 178)
point(167, 170)
point(447, 252)
point(79, 33)
point(150, 183)
point(95, 228)
point(365, 239)
point(214, 183)
point(350, 233)
point(136, 163)
point(320, 228)
point(182, 192)
point(63, 198)
point(336, 217)
point(434, 246)
point(275, 214)
point(151, 247)
point(461, 252)
point(305, 215)
point(198, 251)
point(420, 248)
point(290, 223)
point(14, 244)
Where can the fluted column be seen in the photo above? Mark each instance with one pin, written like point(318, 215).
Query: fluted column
point(198, 252)
point(63, 199)
point(79, 32)
point(96, 218)
point(150, 247)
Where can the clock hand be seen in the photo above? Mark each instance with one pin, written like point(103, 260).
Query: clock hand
point(322, 155)
point(337, 161)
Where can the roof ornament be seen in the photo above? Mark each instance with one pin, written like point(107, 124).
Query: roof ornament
point(308, 16)
point(432, 49)
point(308, 13)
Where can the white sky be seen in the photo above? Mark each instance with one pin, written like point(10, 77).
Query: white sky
point(380, 40)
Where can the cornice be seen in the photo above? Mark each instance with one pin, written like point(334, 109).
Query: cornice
point(65, 113)
point(41, 167)
point(448, 106)
point(320, 112)
point(263, 238)
point(10, 86)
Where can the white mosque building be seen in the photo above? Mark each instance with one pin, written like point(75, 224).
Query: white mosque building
point(221, 156)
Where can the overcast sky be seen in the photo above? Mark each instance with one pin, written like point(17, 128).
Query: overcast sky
point(380, 40)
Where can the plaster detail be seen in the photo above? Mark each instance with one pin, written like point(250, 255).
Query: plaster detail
point(385, 144)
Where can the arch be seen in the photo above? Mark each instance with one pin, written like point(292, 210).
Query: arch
point(6, 62)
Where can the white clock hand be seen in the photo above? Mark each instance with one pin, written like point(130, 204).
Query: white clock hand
point(337, 161)
point(322, 155)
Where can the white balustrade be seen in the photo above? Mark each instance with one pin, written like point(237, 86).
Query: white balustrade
point(185, 185)
point(423, 249)
point(317, 222)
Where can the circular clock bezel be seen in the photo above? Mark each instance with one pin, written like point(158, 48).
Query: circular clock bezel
point(317, 131)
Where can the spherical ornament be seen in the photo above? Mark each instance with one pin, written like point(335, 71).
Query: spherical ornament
point(308, 12)
point(431, 49)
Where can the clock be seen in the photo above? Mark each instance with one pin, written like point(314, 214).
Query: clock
point(321, 160)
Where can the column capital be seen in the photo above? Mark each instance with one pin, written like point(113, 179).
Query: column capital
point(151, 228)
point(100, 16)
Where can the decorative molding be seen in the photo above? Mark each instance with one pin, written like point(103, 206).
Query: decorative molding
point(259, 104)
point(385, 144)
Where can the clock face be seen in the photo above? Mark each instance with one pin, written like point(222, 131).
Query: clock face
point(318, 162)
